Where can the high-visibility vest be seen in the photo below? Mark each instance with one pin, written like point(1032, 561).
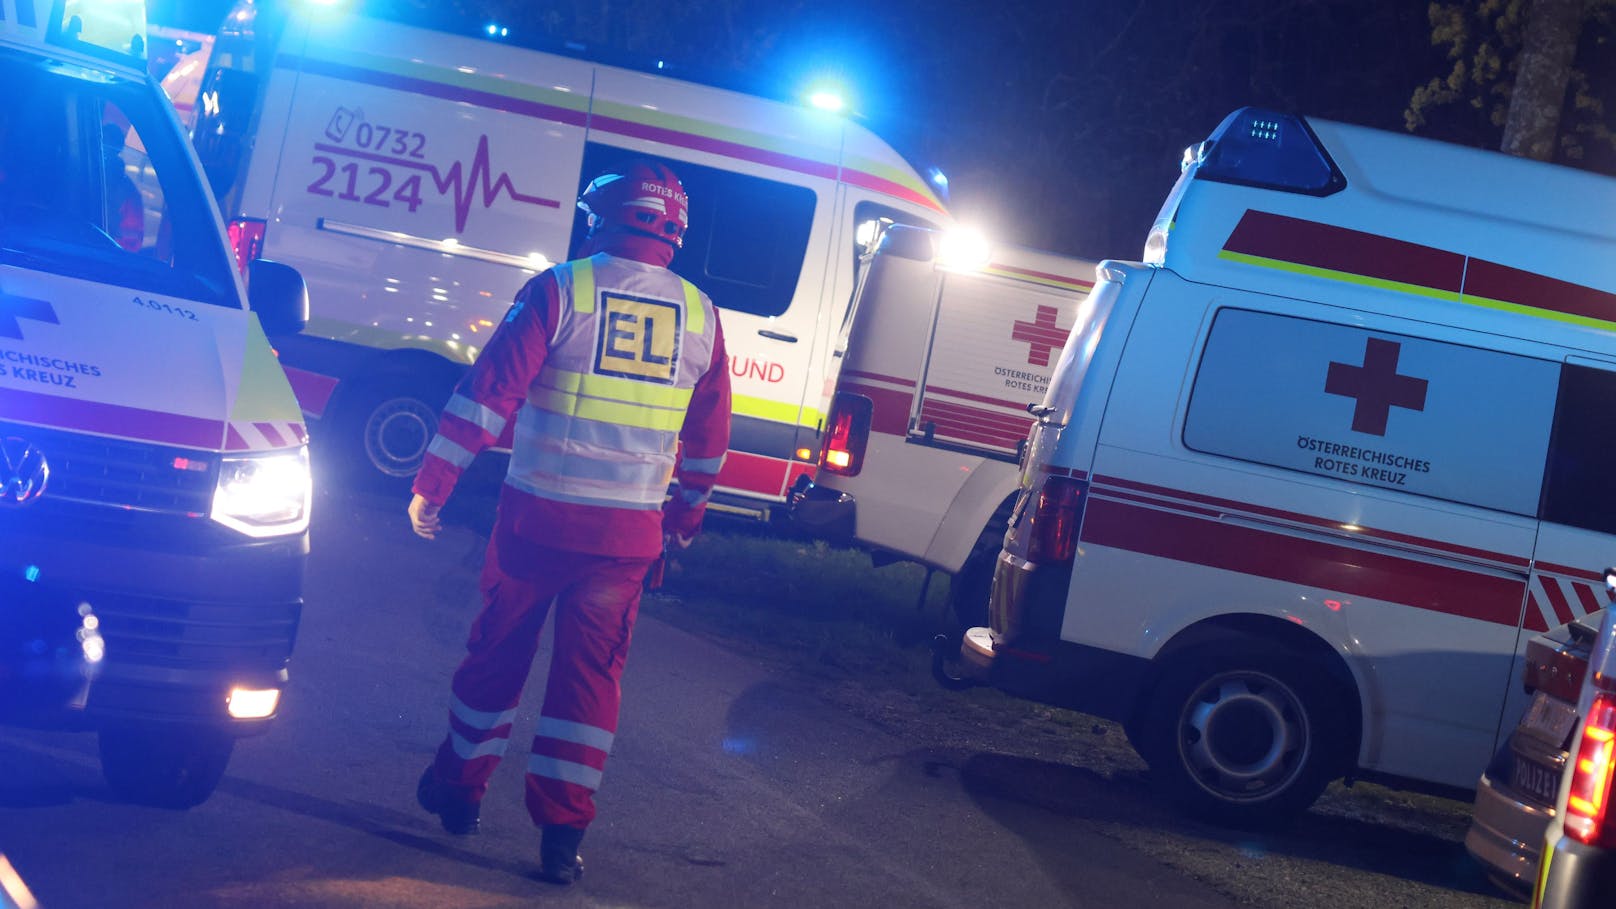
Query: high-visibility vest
point(601, 422)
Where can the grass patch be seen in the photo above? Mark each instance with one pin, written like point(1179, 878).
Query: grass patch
point(811, 604)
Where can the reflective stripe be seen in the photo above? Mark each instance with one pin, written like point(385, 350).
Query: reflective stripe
point(583, 285)
point(540, 426)
point(703, 465)
point(577, 733)
point(639, 415)
point(557, 459)
point(469, 750)
point(566, 771)
point(692, 497)
point(476, 414)
point(450, 451)
point(695, 313)
point(616, 389)
point(479, 719)
point(604, 500)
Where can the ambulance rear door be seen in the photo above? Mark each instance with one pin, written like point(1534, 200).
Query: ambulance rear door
point(994, 342)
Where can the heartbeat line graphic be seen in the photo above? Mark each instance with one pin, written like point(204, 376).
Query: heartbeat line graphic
point(464, 185)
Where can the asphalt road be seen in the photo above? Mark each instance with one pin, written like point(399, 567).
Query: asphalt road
point(732, 783)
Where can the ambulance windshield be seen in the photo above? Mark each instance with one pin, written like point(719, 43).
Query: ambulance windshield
point(95, 183)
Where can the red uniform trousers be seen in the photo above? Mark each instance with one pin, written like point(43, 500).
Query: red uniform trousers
point(596, 600)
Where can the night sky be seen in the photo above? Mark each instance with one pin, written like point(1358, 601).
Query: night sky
point(1060, 125)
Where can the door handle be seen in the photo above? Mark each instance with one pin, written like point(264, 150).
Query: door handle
point(778, 335)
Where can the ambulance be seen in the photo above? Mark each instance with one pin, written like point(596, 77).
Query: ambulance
point(418, 178)
point(951, 338)
point(1309, 476)
point(154, 474)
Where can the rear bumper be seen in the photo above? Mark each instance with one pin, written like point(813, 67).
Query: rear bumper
point(825, 513)
point(187, 611)
point(1506, 835)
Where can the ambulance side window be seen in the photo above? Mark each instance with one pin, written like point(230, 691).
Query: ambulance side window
point(1580, 486)
point(747, 237)
point(1373, 408)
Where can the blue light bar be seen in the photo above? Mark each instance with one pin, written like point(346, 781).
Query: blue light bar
point(1254, 147)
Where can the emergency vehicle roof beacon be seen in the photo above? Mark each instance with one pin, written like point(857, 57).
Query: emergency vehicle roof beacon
point(418, 178)
point(1325, 560)
point(155, 484)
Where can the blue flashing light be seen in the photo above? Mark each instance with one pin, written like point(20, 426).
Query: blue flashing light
point(938, 178)
point(1259, 148)
point(31, 573)
point(495, 30)
point(826, 100)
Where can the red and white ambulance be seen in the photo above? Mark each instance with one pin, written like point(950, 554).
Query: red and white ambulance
point(419, 178)
point(950, 339)
point(1308, 476)
point(154, 472)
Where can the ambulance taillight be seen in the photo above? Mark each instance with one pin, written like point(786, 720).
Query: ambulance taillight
point(1589, 818)
point(246, 241)
point(848, 432)
point(1052, 526)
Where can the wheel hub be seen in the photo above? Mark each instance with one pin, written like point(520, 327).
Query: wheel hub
point(1244, 736)
point(397, 435)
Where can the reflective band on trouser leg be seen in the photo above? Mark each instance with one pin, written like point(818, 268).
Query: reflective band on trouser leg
point(593, 622)
point(488, 683)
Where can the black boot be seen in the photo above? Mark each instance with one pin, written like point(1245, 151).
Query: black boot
point(459, 816)
point(559, 861)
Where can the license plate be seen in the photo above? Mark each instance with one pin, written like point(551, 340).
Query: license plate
point(1540, 782)
point(1550, 719)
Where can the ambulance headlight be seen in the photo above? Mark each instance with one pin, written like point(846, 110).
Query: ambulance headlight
point(264, 495)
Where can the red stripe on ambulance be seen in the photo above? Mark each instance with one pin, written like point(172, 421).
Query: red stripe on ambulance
point(111, 419)
point(1306, 562)
point(1354, 252)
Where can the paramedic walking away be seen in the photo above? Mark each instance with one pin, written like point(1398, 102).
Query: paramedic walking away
point(609, 366)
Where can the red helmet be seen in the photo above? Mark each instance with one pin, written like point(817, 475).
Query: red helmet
point(647, 198)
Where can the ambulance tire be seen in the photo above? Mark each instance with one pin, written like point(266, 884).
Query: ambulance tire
point(164, 767)
point(383, 430)
point(968, 591)
point(1243, 736)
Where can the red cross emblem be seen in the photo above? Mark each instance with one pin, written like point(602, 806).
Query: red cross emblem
point(1376, 385)
point(1042, 335)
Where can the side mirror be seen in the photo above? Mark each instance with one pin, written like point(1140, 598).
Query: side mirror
point(276, 292)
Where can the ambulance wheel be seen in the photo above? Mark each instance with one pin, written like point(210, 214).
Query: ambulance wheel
point(969, 590)
point(1246, 737)
point(164, 767)
point(387, 427)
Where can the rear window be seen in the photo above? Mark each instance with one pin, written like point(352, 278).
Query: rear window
point(1580, 488)
point(96, 183)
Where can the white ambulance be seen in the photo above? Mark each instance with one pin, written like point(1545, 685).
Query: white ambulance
point(154, 479)
point(1308, 476)
point(419, 178)
point(950, 339)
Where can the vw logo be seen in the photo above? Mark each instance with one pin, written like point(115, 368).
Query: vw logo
point(23, 472)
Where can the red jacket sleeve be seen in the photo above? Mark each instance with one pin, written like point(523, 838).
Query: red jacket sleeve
point(488, 396)
point(702, 443)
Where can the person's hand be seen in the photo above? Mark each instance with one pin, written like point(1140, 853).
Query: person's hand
point(424, 518)
point(673, 542)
